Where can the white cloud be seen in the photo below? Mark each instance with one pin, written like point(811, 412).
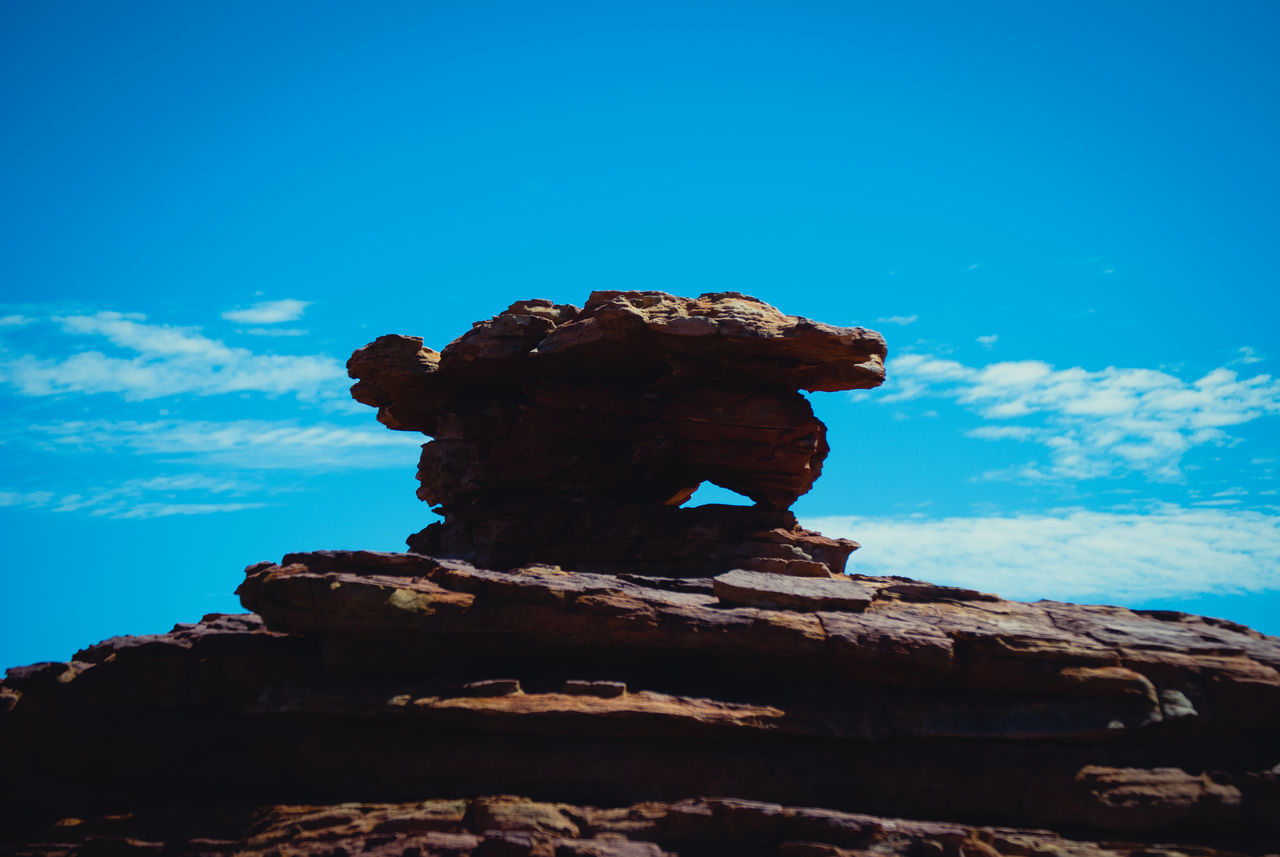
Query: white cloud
point(127, 330)
point(1170, 552)
point(268, 312)
point(133, 498)
point(899, 319)
point(275, 331)
point(165, 510)
point(116, 500)
point(1003, 433)
point(1093, 423)
point(25, 498)
point(239, 443)
point(989, 341)
point(168, 361)
point(15, 320)
point(1232, 492)
point(1247, 355)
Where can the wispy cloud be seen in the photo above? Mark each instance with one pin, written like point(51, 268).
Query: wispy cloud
point(275, 331)
point(255, 444)
point(1170, 551)
point(167, 360)
point(268, 312)
point(15, 320)
point(988, 342)
point(154, 497)
point(29, 499)
point(165, 510)
point(230, 452)
point(1093, 423)
point(899, 319)
point(1004, 433)
point(1247, 354)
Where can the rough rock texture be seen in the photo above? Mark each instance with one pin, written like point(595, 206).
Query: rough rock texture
point(520, 827)
point(572, 436)
point(696, 683)
point(639, 715)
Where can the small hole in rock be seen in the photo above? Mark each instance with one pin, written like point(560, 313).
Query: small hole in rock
point(711, 494)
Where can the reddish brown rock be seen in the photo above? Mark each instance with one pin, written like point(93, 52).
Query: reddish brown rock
point(399, 678)
point(741, 588)
point(571, 436)
point(512, 825)
point(572, 665)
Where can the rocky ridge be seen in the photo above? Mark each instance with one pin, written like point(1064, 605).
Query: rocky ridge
point(406, 704)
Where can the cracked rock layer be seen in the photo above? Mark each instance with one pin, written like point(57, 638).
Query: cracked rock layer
point(392, 679)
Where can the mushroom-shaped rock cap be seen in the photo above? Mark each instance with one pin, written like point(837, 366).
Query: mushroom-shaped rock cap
point(721, 336)
point(718, 338)
point(397, 375)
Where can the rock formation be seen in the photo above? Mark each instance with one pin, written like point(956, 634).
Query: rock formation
point(410, 705)
point(572, 436)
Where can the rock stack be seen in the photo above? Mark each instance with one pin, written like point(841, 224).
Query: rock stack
point(571, 436)
point(457, 703)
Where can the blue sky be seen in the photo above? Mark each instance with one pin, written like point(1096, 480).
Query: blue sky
point(1061, 216)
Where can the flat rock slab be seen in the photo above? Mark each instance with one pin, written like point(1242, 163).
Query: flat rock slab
point(741, 588)
point(515, 825)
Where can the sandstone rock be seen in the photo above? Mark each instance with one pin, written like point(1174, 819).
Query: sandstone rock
point(372, 677)
point(400, 375)
point(1135, 799)
point(508, 812)
point(573, 665)
point(569, 436)
point(508, 824)
point(605, 689)
point(722, 336)
point(741, 588)
point(649, 540)
point(492, 687)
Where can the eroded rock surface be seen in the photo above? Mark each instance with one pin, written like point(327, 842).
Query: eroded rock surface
point(572, 665)
point(572, 436)
point(518, 826)
point(693, 713)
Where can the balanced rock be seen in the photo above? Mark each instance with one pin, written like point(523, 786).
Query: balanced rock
point(572, 665)
point(572, 436)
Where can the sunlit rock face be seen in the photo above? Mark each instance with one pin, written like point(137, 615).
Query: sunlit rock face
point(572, 436)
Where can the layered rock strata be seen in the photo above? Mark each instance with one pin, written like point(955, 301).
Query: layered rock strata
point(379, 702)
point(571, 665)
point(572, 436)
